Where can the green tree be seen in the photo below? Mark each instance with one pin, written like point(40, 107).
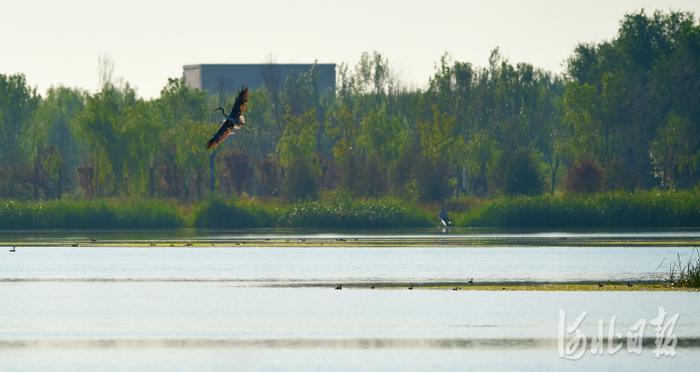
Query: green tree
point(54, 127)
point(297, 156)
point(17, 104)
point(521, 175)
point(621, 92)
point(438, 145)
point(585, 176)
point(675, 153)
point(103, 126)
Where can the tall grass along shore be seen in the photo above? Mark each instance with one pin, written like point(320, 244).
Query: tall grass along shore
point(605, 210)
point(94, 214)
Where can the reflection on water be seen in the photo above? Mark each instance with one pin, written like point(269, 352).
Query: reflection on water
point(93, 324)
point(189, 234)
point(193, 311)
point(286, 359)
point(209, 310)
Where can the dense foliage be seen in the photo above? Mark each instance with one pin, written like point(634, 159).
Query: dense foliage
point(630, 106)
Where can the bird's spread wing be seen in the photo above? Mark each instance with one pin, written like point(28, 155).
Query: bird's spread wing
point(241, 103)
point(223, 132)
point(239, 107)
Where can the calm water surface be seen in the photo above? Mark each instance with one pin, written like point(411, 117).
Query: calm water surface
point(214, 309)
point(213, 326)
point(347, 265)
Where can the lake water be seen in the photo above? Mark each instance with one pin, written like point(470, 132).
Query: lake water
point(262, 308)
point(319, 265)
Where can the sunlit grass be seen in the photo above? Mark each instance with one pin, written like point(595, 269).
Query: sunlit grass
point(221, 213)
point(686, 274)
point(649, 209)
point(616, 209)
point(89, 214)
point(348, 213)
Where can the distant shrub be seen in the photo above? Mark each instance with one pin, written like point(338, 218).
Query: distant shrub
point(269, 175)
point(240, 169)
point(219, 213)
point(585, 176)
point(373, 178)
point(433, 183)
point(520, 174)
point(301, 179)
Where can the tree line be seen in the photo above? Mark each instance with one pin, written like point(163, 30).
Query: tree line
point(625, 115)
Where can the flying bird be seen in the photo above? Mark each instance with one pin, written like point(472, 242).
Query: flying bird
point(233, 121)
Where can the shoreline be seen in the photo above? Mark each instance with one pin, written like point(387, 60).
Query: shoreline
point(446, 285)
point(314, 242)
point(346, 241)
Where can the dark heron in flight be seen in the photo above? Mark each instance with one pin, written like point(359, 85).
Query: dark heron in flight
point(233, 121)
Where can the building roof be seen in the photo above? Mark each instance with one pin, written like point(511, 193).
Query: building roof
point(224, 78)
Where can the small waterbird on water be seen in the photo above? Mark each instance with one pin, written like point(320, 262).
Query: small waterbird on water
point(444, 219)
point(13, 249)
point(233, 121)
point(339, 287)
